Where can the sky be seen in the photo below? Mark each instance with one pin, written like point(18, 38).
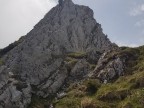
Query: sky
point(121, 20)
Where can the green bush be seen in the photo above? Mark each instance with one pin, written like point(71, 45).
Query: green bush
point(92, 86)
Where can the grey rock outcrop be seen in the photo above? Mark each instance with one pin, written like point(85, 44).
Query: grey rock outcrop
point(109, 68)
point(80, 70)
point(12, 93)
point(37, 65)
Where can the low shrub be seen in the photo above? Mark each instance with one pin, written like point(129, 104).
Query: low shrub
point(92, 86)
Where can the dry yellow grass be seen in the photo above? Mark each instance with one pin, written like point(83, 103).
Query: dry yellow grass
point(87, 103)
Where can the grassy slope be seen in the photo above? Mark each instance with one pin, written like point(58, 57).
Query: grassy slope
point(125, 92)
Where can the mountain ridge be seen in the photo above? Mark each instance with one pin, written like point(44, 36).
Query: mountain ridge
point(67, 46)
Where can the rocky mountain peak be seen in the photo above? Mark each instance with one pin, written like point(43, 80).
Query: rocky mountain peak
point(55, 53)
point(73, 28)
point(68, 2)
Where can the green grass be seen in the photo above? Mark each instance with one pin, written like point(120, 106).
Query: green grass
point(77, 55)
point(68, 102)
point(135, 100)
point(126, 92)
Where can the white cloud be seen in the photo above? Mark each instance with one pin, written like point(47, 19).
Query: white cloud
point(138, 10)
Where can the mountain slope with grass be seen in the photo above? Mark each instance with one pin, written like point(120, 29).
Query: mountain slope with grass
point(66, 61)
point(61, 49)
point(127, 91)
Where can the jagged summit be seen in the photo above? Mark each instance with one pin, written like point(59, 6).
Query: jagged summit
point(43, 62)
point(75, 28)
point(61, 2)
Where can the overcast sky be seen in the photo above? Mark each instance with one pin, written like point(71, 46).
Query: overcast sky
point(122, 20)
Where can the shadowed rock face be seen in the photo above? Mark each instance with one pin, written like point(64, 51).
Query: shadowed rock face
point(39, 60)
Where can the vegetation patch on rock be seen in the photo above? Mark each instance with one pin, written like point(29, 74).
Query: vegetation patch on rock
point(124, 92)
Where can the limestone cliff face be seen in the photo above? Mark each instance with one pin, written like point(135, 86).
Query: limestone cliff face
point(38, 64)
